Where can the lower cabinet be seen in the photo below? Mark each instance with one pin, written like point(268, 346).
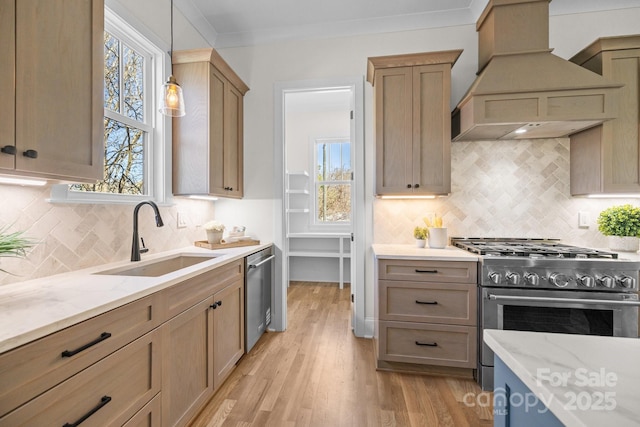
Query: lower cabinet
point(202, 345)
point(426, 315)
point(153, 362)
point(107, 393)
point(187, 377)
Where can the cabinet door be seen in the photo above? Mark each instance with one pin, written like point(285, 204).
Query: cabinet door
point(59, 70)
point(394, 129)
point(216, 132)
point(233, 150)
point(431, 129)
point(187, 377)
point(228, 330)
point(621, 137)
point(7, 80)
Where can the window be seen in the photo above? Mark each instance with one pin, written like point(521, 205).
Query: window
point(332, 179)
point(133, 129)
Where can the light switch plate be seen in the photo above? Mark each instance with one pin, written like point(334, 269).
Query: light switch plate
point(583, 219)
point(182, 220)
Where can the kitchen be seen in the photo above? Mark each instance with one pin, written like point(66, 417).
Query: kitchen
point(499, 188)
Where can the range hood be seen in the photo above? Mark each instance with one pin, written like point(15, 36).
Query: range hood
point(523, 91)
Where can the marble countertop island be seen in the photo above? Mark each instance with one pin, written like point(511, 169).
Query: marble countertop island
point(583, 380)
point(35, 308)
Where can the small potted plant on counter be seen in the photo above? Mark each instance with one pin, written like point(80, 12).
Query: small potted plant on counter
point(214, 231)
point(622, 225)
point(420, 234)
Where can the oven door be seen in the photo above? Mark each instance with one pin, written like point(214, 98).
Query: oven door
point(556, 311)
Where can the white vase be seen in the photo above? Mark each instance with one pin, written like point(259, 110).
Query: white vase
point(624, 243)
point(437, 237)
point(214, 236)
point(421, 243)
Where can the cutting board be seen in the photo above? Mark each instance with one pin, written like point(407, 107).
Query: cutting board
point(207, 245)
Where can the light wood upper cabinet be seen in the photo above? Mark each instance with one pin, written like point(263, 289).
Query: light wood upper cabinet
point(208, 140)
point(606, 159)
point(412, 122)
point(51, 78)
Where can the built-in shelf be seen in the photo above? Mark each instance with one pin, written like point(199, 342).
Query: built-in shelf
point(302, 243)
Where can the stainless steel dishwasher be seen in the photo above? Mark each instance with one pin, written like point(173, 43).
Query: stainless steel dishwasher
point(258, 289)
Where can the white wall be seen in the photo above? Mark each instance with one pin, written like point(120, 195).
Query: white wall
point(262, 66)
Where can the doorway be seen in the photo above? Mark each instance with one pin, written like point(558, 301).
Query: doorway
point(319, 181)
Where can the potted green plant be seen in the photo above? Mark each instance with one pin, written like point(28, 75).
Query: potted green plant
point(13, 244)
point(622, 225)
point(420, 234)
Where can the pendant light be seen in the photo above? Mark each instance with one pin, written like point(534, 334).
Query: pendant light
point(172, 102)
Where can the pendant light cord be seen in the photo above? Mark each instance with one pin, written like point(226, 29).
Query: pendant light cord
point(171, 48)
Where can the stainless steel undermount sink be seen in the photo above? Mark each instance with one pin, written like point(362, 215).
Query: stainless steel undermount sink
point(159, 267)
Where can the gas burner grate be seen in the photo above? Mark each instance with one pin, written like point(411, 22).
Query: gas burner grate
point(534, 248)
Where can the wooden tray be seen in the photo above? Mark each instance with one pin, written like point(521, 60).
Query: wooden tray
point(207, 245)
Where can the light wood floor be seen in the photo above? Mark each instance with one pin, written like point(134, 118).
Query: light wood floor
point(318, 373)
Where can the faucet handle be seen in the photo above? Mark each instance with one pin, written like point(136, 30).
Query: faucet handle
point(144, 249)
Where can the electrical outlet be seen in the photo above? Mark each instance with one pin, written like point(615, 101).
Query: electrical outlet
point(583, 219)
point(182, 220)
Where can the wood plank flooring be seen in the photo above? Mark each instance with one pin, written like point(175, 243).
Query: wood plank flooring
point(318, 373)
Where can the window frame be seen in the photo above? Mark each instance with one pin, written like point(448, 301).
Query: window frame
point(157, 144)
point(315, 223)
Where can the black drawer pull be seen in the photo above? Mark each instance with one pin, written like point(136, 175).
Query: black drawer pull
point(32, 154)
point(426, 271)
point(9, 149)
point(427, 302)
point(427, 344)
point(103, 401)
point(69, 353)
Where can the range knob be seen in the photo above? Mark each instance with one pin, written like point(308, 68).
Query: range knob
point(587, 281)
point(495, 277)
point(532, 279)
point(513, 278)
point(607, 281)
point(559, 280)
point(627, 282)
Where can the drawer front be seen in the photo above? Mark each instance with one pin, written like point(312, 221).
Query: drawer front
point(452, 303)
point(36, 367)
point(428, 271)
point(428, 344)
point(149, 415)
point(188, 293)
point(109, 392)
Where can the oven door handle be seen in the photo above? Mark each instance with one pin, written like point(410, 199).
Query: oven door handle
point(563, 300)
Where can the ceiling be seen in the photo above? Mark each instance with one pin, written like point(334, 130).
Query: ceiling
point(230, 23)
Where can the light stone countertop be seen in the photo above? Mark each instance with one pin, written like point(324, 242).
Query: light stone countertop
point(591, 365)
point(412, 252)
point(36, 308)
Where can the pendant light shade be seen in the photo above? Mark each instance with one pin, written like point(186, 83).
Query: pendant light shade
point(172, 101)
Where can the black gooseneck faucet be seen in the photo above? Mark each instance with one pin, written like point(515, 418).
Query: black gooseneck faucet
point(135, 245)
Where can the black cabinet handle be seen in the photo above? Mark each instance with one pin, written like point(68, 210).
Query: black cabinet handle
point(426, 271)
point(32, 154)
point(103, 401)
point(427, 302)
point(416, 185)
point(408, 185)
point(219, 303)
point(9, 149)
point(69, 353)
point(214, 305)
point(427, 344)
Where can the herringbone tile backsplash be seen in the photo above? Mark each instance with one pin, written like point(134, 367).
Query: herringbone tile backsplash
point(75, 236)
point(501, 189)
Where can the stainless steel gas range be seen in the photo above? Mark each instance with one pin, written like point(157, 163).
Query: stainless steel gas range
point(544, 286)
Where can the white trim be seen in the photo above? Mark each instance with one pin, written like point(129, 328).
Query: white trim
point(157, 167)
point(356, 84)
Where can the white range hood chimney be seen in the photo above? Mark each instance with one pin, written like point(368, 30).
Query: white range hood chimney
point(523, 91)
